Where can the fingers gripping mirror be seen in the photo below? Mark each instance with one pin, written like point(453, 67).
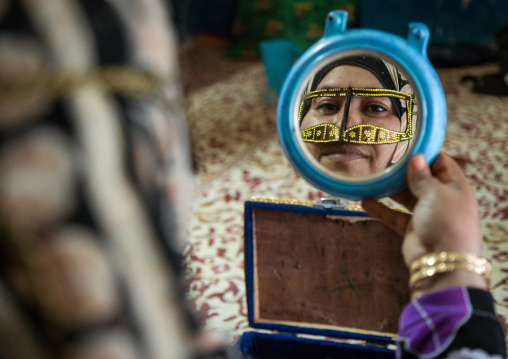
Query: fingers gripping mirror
point(357, 105)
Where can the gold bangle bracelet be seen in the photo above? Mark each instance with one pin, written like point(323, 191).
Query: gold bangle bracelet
point(432, 259)
point(482, 268)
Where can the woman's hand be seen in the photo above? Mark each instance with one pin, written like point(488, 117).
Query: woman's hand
point(445, 217)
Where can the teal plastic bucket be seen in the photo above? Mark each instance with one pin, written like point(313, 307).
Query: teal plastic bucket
point(278, 57)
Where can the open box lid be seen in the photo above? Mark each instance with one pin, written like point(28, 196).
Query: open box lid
point(328, 272)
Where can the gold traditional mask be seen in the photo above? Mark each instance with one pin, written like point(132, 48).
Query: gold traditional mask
point(359, 134)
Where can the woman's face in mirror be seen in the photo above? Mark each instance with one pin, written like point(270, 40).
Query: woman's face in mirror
point(346, 110)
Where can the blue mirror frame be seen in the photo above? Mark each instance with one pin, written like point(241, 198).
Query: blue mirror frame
point(410, 54)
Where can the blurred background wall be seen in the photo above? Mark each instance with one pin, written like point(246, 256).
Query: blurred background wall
point(462, 31)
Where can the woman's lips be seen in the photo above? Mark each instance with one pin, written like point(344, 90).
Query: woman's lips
point(343, 153)
point(343, 157)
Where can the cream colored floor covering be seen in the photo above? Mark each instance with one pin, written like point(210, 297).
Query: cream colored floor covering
point(238, 156)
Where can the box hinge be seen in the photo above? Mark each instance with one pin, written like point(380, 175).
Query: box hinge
point(330, 203)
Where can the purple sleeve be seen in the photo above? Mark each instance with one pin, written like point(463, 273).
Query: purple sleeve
point(441, 324)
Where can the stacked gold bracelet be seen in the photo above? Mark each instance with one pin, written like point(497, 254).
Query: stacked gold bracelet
point(443, 262)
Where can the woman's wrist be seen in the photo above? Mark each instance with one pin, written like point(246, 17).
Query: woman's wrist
point(459, 278)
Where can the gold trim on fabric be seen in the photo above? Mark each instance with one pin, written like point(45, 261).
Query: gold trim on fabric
point(308, 203)
point(300, 202)
point(276, 200)
point(121, 80)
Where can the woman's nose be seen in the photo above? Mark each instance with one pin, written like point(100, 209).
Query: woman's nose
point(354, 115)
point(338, 117)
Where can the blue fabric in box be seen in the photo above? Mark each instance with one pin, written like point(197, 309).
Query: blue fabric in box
point(332, 273)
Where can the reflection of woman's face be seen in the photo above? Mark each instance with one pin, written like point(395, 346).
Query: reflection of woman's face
point(355, 160)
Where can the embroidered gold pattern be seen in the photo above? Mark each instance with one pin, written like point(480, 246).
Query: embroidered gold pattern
point(359, 134)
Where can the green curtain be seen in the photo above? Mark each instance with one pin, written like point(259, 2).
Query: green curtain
point(300, 21)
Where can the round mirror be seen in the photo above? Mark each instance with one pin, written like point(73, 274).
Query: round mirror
point(357, 105)
point(357, 116)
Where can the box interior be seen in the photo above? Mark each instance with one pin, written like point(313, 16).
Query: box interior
point(313, 270)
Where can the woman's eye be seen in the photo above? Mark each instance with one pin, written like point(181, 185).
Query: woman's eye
point(327, 107)
point(375, 108)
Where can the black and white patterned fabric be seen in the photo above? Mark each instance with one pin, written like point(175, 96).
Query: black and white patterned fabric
point(94, 183)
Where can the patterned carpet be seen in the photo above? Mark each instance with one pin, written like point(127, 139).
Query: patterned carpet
point(238, 156)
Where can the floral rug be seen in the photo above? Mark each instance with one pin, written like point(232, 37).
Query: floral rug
point(238, 156)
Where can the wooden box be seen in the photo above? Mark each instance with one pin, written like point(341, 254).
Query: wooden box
point(335, 274)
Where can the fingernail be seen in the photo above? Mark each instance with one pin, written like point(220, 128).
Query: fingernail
point(418, 162)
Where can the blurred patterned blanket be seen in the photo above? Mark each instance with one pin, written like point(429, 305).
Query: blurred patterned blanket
point(238, 156)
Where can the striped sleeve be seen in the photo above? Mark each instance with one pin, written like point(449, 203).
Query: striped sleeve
point(452, 323)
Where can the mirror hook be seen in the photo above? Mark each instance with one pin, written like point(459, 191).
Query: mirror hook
point(418, 37)
point(336, 23)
